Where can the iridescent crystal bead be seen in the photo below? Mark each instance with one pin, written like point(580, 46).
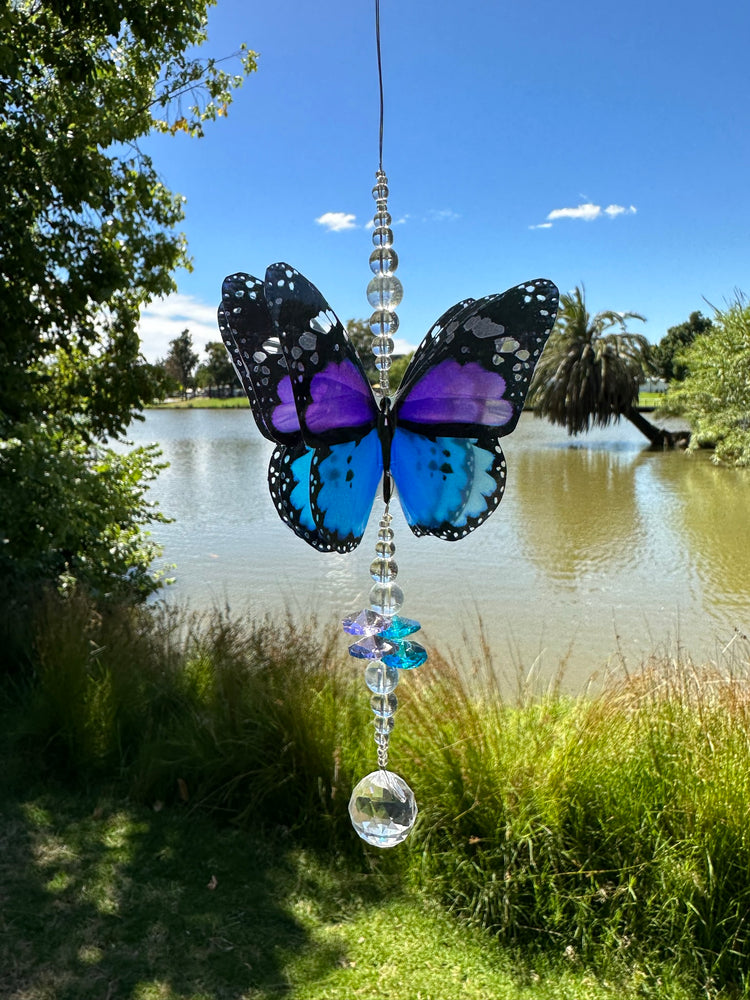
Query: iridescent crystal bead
point(365, 622)
point(383, 809)
point(384, 704)
point(380, 678)
point(382, 236)
point(399, 627)
point(386, 598)
point(384, 723)
point(406, 656)
point(383, 260)
point(383, 570)
point(372, 647)
point(385, 291)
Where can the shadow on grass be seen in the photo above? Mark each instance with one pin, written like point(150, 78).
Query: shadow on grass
point(105, 900)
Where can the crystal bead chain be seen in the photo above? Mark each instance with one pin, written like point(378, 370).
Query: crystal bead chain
point(384, 292)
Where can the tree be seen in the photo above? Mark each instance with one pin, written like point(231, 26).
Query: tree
point(88, 236)
point(715, 393)
point(181, 361)
point(218, 371)
point(591, 370)
point(360, 335)
point(664, 355)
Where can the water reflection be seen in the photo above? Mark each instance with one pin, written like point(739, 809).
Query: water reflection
point(580, 510)
point(712, 521)
point(594, 546)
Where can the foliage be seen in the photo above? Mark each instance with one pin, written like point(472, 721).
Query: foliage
point(180, 362)
point(715, 394)
point(361, 336)
point(87, 238)
point(586, 374)
point(665, 356)
point(609, 828)
point(218, 371)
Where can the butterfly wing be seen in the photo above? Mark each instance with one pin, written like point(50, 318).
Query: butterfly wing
point(310, 395)
point(253, 344)
point(462, 392)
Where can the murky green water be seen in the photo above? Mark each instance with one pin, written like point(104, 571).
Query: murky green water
point(598, 546)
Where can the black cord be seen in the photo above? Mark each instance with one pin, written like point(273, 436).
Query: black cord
point(380, 82)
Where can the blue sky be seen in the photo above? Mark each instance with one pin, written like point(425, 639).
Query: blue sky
point(590, 142)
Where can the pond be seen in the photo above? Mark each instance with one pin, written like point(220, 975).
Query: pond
point(599, 549)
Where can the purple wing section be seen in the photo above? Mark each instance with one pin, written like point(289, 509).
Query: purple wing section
point(339, 398)
point(451, 393)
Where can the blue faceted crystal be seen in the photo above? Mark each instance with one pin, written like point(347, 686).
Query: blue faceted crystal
point(365, 622)
point(372, 647)
point(405, 656)
point(399, 627)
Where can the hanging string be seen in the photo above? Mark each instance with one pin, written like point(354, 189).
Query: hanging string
point(380, 82)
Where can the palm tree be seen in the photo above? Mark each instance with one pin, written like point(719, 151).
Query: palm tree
point(590, 373)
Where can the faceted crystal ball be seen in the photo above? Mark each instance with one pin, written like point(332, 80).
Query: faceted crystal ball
point(383, 809)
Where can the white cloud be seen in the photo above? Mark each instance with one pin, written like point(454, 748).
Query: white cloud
point(164, 319)
point(442, 215)
point(336, 222)
point(613, 210)
point(587, 211)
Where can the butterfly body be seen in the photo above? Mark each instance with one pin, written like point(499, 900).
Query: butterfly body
point(437, 438)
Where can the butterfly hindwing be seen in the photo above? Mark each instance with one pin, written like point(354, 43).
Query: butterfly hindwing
point(344, 478)
point(447, 486)
point(333, 396)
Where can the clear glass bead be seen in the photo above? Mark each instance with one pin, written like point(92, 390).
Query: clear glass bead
point(380, 678)
point(385, 549)
point(383, 809)
point(385, 535)
point(383, 260)
point(382, 739)
point(385, 291)
point(382, 345)
point(383, 323)
point(382, 219)
point(383, 364)
point(380, 190)
point(382, 236)
point(386, 598)
point(384, 723)
point(383, 570)
point(384, 704)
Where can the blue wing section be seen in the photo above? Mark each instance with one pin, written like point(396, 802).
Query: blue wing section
point(447, 485)
point(343, 481)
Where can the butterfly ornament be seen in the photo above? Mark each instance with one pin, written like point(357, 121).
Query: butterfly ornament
point(436, 443)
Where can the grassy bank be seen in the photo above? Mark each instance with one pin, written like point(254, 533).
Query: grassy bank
point(203, 403)
point(605, 836)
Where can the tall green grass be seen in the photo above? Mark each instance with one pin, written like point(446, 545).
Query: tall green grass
point(608, 826)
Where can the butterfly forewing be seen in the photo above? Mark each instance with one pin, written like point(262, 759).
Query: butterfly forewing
point(250, 337)
point(333, 397)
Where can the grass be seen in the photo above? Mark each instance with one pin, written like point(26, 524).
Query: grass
point(203, 403)
point(606, 833)
point(106, 899)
